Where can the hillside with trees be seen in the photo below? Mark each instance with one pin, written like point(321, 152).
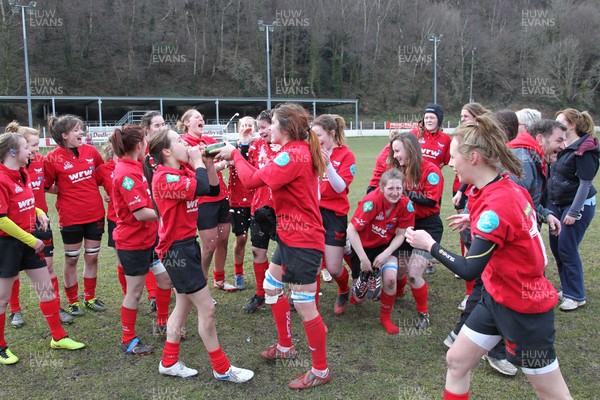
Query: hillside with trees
point(533, 53)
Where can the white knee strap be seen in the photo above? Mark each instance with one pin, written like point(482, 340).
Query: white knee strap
point(157, 267)
point(270, 283)
point(390, 265)
point(72, 253)
point(92, 250)
point(303, 297)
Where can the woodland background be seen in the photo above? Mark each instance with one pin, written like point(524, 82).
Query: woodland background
point(530, 53)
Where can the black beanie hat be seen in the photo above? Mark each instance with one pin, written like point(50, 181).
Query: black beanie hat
point(437, 110)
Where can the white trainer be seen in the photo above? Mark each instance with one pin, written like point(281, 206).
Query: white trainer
point(326, 275)
point(570, 304)
point(503, 366)
point(178, 369)
point(463, 303)
point(224, 285)
point(235, 375)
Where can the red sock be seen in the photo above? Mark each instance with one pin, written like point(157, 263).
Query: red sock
point(317, 340)
point(2, 324)
point(56, 290)
point(353, 300)
point(219, 361)
point(15, 304)
point(420, 296)
point(89, 288)
point(122, 280)
point(219, 276)
point(151, 287)
point(128, 317)
point(238, 269)
point(50, 311)
point(163, 297)
point(71, 292)
point(448, 395)
point(348, 260)
point(385, 314)
point(170, 354)
point(282, 317)
point(260, 269)
point(342, 281)
point(401, 286)
point(469, 286)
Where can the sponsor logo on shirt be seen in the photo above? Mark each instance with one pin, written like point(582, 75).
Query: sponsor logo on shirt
point(136, 200)
point(368, 206)
point(431, 153)
point(36, 184)
point(192, 205)
point(433, 178)
point(128, 183)
point(488, 222)
point(382, 232)
point(38, 170)
point(26, 204)
point(18, 189)
point(353, 169)
point(380, 216)
point(359, 221)
point(172, 178)
point(81, 175)
point(90, 160)
point(282, 159)
point(410, 207)
point(67, 165)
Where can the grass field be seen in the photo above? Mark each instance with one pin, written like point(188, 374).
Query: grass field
point(365, 362)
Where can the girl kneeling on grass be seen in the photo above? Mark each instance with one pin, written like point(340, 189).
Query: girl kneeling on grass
point(20, 249)
point(175, 189)
point(135, 234)
point(376, 232)
point(508, 251)
point(293, 178)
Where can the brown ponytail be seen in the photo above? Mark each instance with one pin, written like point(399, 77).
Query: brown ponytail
point(489, 140)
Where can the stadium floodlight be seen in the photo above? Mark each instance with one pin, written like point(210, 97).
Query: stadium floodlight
point(262, 26)
point(16, 8)
point(436, 41)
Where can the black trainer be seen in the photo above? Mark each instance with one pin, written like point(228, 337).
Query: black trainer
point(360, 286)
point(374, 284)
point(136, 348)
point(255, 303)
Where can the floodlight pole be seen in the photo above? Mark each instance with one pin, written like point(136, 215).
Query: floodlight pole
point(436, 41)
point(267, 28)
point(16, 8)
point(471, 85)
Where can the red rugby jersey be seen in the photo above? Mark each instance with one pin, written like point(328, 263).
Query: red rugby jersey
point(295, 185)
point(381, 165)
point(259, 154)
point(195, 141)
point(106, 174)
point(239, 196)
point(344, 163)
point(78, 200)
point(374, 227)
point(432, 186)
point(435, 146)
point(17, 201)
point(174, 194)
point(502, 213)
point(35, 169)
point(131, 193)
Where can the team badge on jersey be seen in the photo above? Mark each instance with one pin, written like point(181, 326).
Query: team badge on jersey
point(172, 178)
point(282, 159)
point(128, 183)
point(368, 206)
point(488, 222)
point(433, 178)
